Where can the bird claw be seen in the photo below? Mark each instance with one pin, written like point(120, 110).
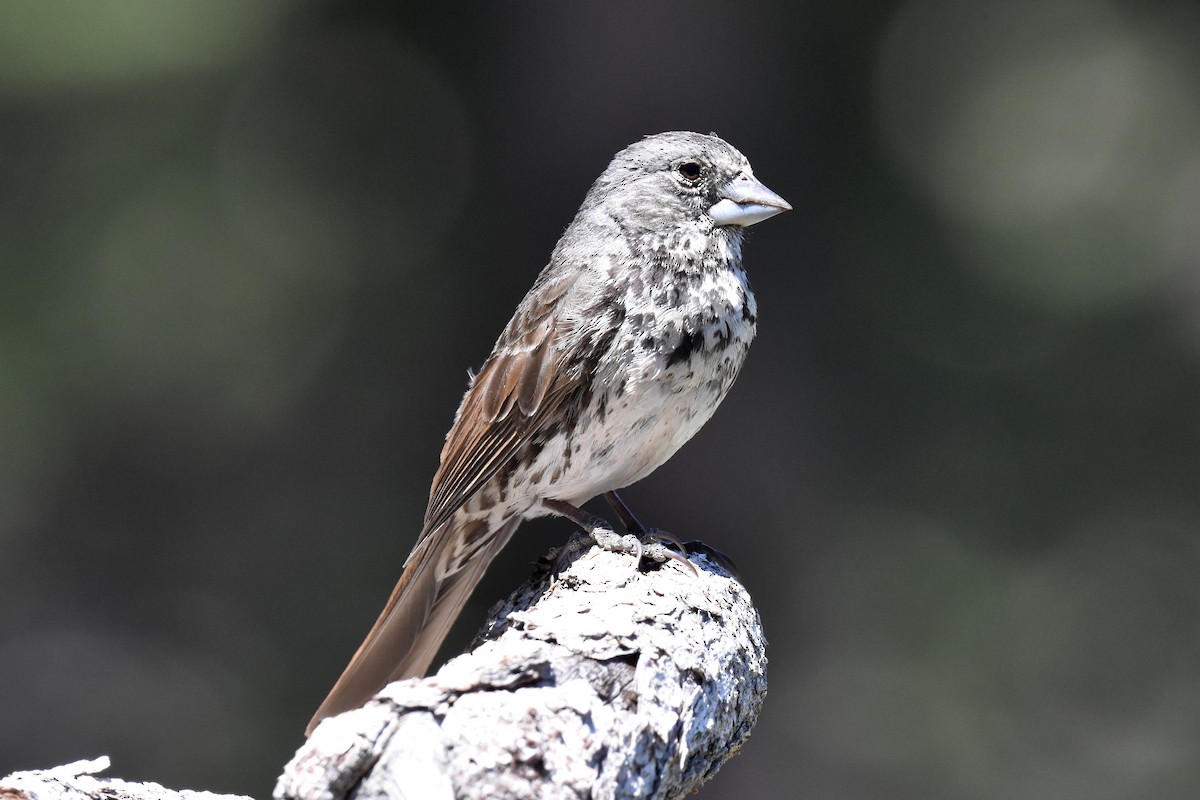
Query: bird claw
point(651, 544)
point(640, 543)
point(614, 542)
point(655, 541)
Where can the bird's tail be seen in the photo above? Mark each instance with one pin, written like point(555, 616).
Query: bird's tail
point(420, 611)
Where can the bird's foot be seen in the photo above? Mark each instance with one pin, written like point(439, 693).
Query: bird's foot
point(654, 540)
point(655, 543)
point(639, 542)
point(652, 544)
point(610, 540)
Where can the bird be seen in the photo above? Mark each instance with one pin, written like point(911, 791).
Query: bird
point(623, 348)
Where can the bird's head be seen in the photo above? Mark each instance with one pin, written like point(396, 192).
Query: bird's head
point(679, 180)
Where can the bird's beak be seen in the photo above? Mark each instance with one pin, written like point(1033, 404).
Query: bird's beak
point(745, 201)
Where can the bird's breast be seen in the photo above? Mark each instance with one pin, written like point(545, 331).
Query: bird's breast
point(677, 352)
point(690, 331)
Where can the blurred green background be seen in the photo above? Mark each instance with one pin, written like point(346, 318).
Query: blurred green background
point(248, 252)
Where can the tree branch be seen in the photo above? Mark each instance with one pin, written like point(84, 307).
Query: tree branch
point(602, 682)
point(78, 781)
point(599, 681)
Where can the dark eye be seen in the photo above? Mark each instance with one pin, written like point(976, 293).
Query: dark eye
point(690, 170)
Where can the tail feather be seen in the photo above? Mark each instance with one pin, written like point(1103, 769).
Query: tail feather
point(411, 627)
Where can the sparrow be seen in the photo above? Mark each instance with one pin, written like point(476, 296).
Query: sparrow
point(623, 348)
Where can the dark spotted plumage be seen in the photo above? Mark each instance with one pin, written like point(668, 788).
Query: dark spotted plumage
point(621, 351)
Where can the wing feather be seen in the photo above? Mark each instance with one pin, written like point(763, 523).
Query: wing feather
point(526, 383)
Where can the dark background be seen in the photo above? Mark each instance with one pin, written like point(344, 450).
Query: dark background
point(249, 250)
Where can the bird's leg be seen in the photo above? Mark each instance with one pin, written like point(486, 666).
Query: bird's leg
point(624, 514)
point(632, 543)
point(649, 536)
point(597, 528)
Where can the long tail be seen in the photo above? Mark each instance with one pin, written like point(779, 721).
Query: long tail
point(423, 606)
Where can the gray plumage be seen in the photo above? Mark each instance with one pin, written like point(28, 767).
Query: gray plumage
point(622, 349)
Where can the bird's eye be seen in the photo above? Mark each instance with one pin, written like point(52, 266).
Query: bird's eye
point(690, 170)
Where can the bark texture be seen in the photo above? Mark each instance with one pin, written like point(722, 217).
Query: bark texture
point(596, 680)
point(78, 781)
point(600, 681)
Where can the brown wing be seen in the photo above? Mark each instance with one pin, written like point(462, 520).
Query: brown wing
point(526, 382)
point(521, 388)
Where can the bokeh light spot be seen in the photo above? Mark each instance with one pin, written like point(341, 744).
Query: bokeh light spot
point(1043, 133)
